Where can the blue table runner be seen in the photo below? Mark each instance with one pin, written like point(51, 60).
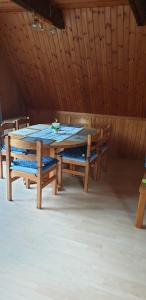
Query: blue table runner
point(63, 133)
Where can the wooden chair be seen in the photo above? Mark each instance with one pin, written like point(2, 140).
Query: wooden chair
point(85, 157)
point(3, 128)
point(30, 166)
point(104, 145)
point(141, 204)
point(84, 121)
point(22, 122)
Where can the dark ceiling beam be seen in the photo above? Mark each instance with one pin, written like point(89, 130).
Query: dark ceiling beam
point(45, 9)
point(9, 6)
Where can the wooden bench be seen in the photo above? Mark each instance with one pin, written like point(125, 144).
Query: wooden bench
point(141, 204)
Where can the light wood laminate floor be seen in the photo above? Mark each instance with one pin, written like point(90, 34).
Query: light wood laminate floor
point(80, 246)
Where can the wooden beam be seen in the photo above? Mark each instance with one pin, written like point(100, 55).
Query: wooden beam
point(9, 6)
point(45, 9)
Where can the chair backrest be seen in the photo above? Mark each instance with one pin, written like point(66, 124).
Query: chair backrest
point(22, 122)
point(5, 127)
point(83, 121)
point(37, 148)
point(93, 143)
point(106, 133)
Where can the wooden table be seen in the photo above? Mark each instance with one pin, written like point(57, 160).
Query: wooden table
point(75, 140)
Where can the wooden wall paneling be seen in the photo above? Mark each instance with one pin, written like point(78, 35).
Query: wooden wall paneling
point(126, 21)
point(42, 66)
point(10, 93)
point(114, 99)
point(95, 65)
point(18, 51)
point(120, 87)
point(69, 69)
point(69, 85)
point(21, 48)
point(100, 57)
point(41, 63)
point(137, 136)
point(11, 54)
point(52, 66)
point(31, 45)
point(128, 133)
point(143, 141)
point(131, 94)
point(82, 33)
point(77, 42)
point(85, 28)
point(108, 41)
point(91, 57)
point(142, 95)
point(99, 95)
point(19, 54)
point(75, 57)
point(76, 89)
point(141, 90)
point(59, 72)
point(61, 56)
point(103, 55)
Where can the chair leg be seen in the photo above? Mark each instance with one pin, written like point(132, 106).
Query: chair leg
point(27, 182)
point(140, 210)
point(39, 194)
point(55, 187)
point(1, 166)
point(86, 179)
point(60, 174)
point(9, 187)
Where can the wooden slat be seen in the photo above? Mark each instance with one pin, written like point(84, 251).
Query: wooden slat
point(9, 6)
point(95, 65)
point(128, 133)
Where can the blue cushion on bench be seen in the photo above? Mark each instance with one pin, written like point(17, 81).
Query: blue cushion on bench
point(77, 154)
point(14, 149)
point(30, 166)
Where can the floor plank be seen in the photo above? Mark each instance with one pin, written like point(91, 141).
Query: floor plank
point(79, 246)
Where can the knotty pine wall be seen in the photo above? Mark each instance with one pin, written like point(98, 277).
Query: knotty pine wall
point(128, 139)
point(96, 65)
point(11, 99)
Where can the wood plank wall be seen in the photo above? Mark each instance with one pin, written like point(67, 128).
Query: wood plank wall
point(11, 100)
point(96, 65)
point(128, 133)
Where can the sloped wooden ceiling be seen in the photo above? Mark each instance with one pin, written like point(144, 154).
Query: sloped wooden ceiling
point(97, 64)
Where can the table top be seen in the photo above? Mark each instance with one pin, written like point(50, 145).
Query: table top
point(68, 135)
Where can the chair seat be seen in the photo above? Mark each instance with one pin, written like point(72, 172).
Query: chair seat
point(103, 147)
point(77, 154)
point(14, 149)
point(30, 166)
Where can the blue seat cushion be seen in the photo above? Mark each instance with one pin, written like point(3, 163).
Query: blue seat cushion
point(30, 166)
point(14, 149)
point(103, 147)
point(77, 154)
